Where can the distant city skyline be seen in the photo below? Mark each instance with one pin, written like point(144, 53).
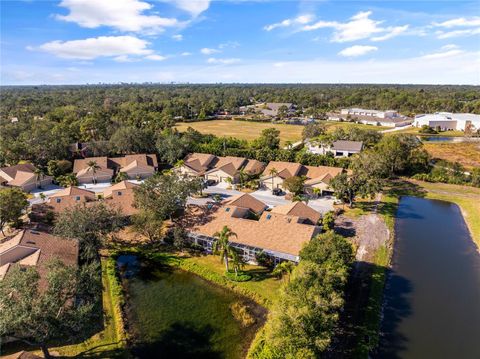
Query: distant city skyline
point(202, 41)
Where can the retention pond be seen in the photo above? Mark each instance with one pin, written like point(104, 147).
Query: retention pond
point(432, 297)
point(175, 314)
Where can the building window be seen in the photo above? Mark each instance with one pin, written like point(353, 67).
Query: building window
point(269, 216)
point(227, 209)
point(59, 200)
point(77, 198)
point(119, 193)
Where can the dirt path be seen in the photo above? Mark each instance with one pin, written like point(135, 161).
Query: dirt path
point(368, 233)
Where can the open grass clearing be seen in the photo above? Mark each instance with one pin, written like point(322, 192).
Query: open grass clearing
point(416, 131)
point(247, 130)
point(466, 153)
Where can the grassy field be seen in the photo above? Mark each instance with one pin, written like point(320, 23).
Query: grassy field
point(251, 130)
point(415, 131)
point(466, 153)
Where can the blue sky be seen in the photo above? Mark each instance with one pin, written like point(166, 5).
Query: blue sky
point(111, 41)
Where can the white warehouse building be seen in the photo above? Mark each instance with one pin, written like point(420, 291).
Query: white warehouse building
point(371, 113)
point(448, 121)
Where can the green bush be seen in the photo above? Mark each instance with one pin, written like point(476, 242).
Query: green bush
point(240, 277)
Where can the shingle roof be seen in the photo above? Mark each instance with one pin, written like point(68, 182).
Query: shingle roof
point(73, 191)
point(123, 185)
point(348, 145)
point(247, 201)
point(43, 246)
point(123, 201)
point(275, 232)
point(11, 171)
point(203, 159)
point(284, 169)
point(82, 164)
point(236, 162)
point(319, 172)
point(254, 167)
point(299, 209)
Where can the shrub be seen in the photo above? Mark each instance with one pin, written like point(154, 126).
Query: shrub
point(239, 277)
point(242, 314)
point(264, 259)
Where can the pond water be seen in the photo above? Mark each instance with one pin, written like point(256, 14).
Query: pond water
point(449, 139)
point(432, 298)
point(175, 314)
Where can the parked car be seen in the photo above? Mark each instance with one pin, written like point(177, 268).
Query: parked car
point(277, 192)
point(210, 182)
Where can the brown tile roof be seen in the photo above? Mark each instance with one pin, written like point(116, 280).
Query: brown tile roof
point(120, 186)
point(284, 169)
point(123, 201)
point(41, 247)
point(254, 167)
point(236, 162)
point(275, 232)
point(247, 201)
point(73, 191)
point(299, 209)
point(203, 159)
point(11, 171)
point(318, 173)
point(82, 164)
point(147, 160)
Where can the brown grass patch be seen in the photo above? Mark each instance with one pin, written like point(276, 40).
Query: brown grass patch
point(466, 153)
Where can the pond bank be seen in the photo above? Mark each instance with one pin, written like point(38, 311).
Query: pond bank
point(183, 315)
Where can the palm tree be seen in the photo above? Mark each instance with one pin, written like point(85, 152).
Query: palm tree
point(68, 180)
point(92, 166)
point(121, 176)
point(300, 198)
point(242, 177)
point(283, 268)
point(273, 172)
point(38, 177)
point(237, 262)
point(316, 191)
point(222, 244)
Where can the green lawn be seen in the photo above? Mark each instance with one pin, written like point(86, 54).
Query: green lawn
point(262, 288)
point(247, 130)
point(415, 131)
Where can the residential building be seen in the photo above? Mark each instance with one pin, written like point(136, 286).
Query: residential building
point(315, 177)
point(277, 171)
point(24, 177)
point(306, 214)
point(448, 121)
point(67, 198)
point(280, 236)
point(121, 196)
point(340, 148)
point(134, 166)
point(34, 248)
point(219, 169)
point(247, 202)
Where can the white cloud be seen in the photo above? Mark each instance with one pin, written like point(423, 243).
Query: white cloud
point(209, 51)
point(457, 33)
point(123, 15)
point(394, 31)
point(103, 46)
point(194, 7)
point(299, 20)
point(177, 37)
point(155, 57)
point(213, 60)
point(229, 44)
point(445, 51)
point(359, 27)
point(461, 21)
point(186, 53)
point(357, 50)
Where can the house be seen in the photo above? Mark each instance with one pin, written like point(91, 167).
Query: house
point(225, 169)
point(134, 166)
point(278, 235)
point(67, 198)
point(277, 171)
point(34, 248)
point(24, 177)
point(218, 169)
point(306, 214)
point(448, 121)
point(340, 148)
point(121, 196)
point(247, 202)
point(315, 177)
point(318, 179)
point(389, 118)
point(93, 170)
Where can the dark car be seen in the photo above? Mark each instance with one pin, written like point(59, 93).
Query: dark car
point(277, 192)
point(210, 182)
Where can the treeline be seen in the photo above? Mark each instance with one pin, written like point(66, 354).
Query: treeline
point(200, 101)
point(304, 318)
